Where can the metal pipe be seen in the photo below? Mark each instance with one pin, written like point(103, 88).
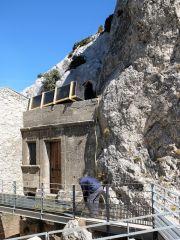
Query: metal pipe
point(107, 208)
point(170, 191)
point(74, 201)
point(170, 211)
point(128, 229)
point(179, 209)
point(14, 192)
point(136, 233)
point(152, 204)
point(166, 198)
point(103, 238)
point(42, 199)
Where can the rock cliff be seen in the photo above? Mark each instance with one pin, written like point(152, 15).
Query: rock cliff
point(92, 52)
point(140, 87)
point(135, 68)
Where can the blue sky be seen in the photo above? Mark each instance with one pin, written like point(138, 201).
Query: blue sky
point(37, 34)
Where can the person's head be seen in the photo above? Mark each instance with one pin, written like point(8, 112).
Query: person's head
point(85, 174)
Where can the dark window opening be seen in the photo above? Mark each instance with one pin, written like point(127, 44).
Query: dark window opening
point(88, 91)
point(32, 153)
point(30, 194)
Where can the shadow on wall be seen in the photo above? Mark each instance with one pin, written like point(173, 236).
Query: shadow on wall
point(91, 147)
point(2, 234)
point(80, 150)
point(89, 152)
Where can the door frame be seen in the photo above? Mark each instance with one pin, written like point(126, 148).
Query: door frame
point(55, 166)
point(49, 141)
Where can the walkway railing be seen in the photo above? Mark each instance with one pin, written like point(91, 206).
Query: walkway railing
point(152, 205)
point(128, 234)
point(70, 203)
point(165, 200)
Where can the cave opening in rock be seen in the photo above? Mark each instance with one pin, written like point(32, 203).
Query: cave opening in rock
point(89, 93)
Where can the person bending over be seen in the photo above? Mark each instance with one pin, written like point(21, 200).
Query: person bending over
point(92, 190)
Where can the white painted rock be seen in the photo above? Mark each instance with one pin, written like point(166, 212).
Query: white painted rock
point(79, 233)
point(35, 238)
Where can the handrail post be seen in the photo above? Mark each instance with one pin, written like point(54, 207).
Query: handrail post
point(47, 236)
point(107, 207)
point(14, 192)
point(74, 201)
point(153, 211)
point(42, 198)
point(128, 229)
point(152, 203)
point(179, 209)
point(164, 200)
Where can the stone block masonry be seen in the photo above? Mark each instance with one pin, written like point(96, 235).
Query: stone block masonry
point(12, 106)
point(62, 135)
point(9, 226)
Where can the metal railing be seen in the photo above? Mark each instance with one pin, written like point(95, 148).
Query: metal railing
point(165, 200)
point(70, 203)
point(128, 234)
point(160, 208)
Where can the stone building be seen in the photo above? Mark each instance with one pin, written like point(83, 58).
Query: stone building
point(58, 145)
point(12, 106)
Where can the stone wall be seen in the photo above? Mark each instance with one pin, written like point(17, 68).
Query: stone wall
point(9, 225)
point(73, 126)
point(60, 114)
point(11, 111)
point(31, 177)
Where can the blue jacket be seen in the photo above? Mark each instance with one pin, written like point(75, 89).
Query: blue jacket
point(89, 185)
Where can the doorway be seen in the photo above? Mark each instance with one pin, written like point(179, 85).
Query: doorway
point(55, 166)
point(88, 91)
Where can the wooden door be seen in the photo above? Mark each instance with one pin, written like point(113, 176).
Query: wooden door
point(55, 166)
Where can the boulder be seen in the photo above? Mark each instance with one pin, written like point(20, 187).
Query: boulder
point(74, 231)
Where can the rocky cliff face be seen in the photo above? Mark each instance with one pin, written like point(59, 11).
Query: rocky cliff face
point(136, 71)
point(140, 88)
point(92, 53)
